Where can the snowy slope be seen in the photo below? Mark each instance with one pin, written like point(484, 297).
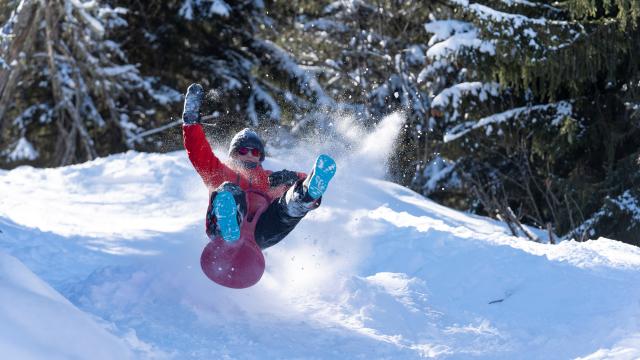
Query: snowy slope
point(376, 272)
point(37, 322)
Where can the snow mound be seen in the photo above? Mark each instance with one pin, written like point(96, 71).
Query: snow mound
point(39, 323)
point(377, 271)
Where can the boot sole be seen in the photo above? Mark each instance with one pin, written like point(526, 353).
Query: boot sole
point(323, 172)
point(225, 210)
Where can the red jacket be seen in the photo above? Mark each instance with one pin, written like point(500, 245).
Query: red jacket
point(214, 172)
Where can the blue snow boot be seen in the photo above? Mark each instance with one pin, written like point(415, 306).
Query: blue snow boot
point(225, 210)
point(322, 172)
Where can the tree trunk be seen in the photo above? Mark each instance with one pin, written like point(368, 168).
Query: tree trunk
point(25, 28)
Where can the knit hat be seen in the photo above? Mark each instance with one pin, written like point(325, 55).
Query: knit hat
point(246, 138)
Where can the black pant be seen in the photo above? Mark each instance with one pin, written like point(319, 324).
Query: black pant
point(275, 222)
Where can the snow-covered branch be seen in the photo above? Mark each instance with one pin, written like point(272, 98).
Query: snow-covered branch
point(559, 111)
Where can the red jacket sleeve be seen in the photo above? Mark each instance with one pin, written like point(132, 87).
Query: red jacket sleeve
point(209, 167)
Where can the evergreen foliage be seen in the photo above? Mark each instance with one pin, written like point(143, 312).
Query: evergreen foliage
point(67, 90)
point(225, 47)
point(523, 110)
point(368, 55)
point(559, 145)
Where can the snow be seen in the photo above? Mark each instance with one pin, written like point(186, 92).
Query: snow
point(453, 95)
point(519, 2)
point(626, 349)
point(259, 95)
point(107, 253)
point(415, 55)
point(92, 22)
point(23, 150)
point(161, 93)
point(30, 113)
point(113, 71)
point(7, 29)
point(443, 29)
point(186, 10)
point(432, 69)
point(438, 173)
point(562, 110)
point(628, 203)
point(324, 25)
point(212, 7)
point(488, 14)
point(39, 323)
point(456, 43)
point(219, 7)
point(306, 79)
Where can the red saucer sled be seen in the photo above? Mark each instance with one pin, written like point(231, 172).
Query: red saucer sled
point(237, 264)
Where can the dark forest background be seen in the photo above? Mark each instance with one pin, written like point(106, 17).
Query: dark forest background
point(526, 111)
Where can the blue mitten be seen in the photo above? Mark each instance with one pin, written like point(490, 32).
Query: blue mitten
point(283, 177)
point(192, 103)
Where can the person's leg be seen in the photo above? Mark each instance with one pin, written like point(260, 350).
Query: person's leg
point(323, 171)
point(226, 189)
point(283, 214)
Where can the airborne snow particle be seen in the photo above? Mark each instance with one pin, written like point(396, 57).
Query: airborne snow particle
point(213, 95)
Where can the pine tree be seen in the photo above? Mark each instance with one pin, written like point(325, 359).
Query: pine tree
point(368, 55)
point(67, 90)
point(540, 121)
point(224, 46)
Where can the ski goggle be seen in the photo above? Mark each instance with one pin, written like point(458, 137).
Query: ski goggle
point(245, 150)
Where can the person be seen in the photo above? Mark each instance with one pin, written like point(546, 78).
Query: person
point(292, 194)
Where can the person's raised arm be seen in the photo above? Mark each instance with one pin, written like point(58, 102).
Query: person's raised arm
point(198, 149)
